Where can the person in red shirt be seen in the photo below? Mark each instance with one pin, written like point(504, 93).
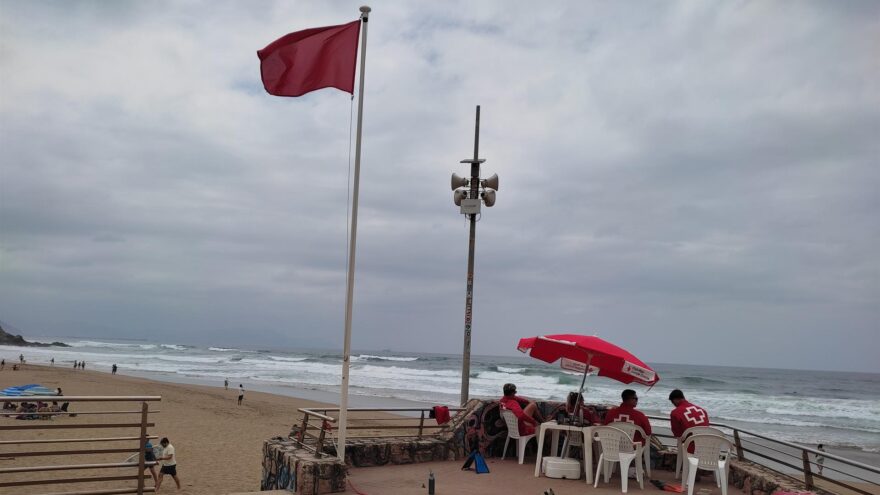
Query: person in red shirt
point(685, 415)
point(627, 413)
point(526, 411)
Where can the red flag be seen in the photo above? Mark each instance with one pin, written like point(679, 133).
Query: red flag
point(316, 58)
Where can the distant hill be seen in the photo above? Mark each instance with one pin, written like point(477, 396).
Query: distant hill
point(9, 339)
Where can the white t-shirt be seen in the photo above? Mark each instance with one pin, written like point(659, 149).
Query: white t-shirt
point(169, 450)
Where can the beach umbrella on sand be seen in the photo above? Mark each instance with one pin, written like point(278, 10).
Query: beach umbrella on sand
point(26, 390)
point(38, 390)
point(11, 392)
point(589, 354)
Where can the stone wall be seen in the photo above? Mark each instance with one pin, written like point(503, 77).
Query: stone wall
point(287, 467)
point(754, 479)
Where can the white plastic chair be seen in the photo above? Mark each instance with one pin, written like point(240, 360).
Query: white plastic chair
point(513, 432)
point(617, 446)
point(631, 429)
point(680, 453)
point(711, 453)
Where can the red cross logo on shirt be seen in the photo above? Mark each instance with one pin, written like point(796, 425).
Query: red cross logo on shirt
point(695, 415)
point(624, 418)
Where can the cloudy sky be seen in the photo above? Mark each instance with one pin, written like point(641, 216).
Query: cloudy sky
point(696, 181)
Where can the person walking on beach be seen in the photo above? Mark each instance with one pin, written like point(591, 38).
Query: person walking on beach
point(169, 463)
point(226, 383)
point(526, 411)
point(150, 456)
point(627, 413)
point(685, 415)
point(240, 393)
point(75, 364)
point(21, 358)
point(114, 369)
point(82, 365)
point(52, 361)
point(2, 364)
point(820, 459)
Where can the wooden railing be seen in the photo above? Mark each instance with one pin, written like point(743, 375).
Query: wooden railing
point(798, 461)
point(29, 446)
point(366, 422)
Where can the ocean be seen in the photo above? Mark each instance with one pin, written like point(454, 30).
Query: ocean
point(807, 407)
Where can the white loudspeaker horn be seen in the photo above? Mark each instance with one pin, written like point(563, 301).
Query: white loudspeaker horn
point(458, 182)
point(458, 196)
point(489, 195)
point(491, 182)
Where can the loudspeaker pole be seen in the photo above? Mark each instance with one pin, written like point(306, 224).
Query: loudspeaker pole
point(469, 294)
point(469, 195)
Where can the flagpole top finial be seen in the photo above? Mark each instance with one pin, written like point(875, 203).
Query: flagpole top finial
point(365, 9)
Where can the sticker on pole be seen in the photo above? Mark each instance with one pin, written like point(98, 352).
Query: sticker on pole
point(576, 366)
point(638, 372)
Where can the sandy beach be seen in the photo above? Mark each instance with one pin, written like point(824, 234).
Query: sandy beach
point(218, 443)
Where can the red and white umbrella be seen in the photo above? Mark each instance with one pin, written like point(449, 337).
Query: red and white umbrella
point(589, 354)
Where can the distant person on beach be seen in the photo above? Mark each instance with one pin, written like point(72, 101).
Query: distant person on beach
point(240, 393)
point(52, 361)
point(685, 415)
point(2, 364)
point(75, 364)
point(169, 463)
point(628, 413)
point(114, 370)
point(526, 411)
point(226, 384)
point(82, 364)
point(820, 459)
point(21, 358)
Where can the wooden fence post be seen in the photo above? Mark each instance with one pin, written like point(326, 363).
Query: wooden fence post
point(808, 473)
point(421, 423)
point(319, 448)
point(739, 447)
point(305, 424)
point(143, 447)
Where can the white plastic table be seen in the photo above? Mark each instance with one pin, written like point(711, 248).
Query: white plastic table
point(555, 428)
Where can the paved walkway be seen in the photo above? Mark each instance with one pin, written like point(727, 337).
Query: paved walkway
point(505, 478)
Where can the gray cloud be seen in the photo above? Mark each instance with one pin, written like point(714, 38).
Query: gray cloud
point(697, 182)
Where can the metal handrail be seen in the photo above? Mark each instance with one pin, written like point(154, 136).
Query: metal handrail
point(827, 455)
point(325, 427)
point(805, 462)
point(379, 409)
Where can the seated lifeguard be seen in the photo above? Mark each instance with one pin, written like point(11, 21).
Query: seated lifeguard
point(627, 413)
point(526, 411)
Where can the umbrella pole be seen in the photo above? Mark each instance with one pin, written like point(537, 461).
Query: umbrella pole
point(578, 405)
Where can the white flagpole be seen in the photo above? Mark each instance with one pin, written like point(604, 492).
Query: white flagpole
point(346, 349)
